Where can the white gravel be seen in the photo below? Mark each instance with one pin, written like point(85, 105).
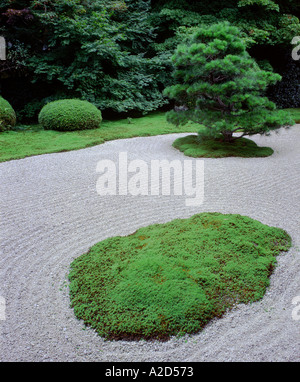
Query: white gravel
point(51, 214)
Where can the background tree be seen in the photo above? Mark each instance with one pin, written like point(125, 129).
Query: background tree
point(94, 50)
point(266, 26)
point(220, 86)
point(117, 53)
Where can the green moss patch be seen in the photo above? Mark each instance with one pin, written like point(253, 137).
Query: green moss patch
point(171, 279)
point(295, 114)
point(211, 148)
point(32, 140)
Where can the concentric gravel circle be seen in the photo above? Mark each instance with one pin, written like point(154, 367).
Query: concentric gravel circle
point(51, 214)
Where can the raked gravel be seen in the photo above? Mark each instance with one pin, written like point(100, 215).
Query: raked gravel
point(51, 214)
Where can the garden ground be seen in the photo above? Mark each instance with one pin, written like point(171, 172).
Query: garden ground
point(51, 214)
point(28, 140)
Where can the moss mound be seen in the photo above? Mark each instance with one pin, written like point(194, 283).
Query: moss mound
point(211, 148)
point(70, 114)
point(7, 115)
point(172, 278)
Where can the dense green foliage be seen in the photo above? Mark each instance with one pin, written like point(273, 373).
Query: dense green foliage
point(7, 115)
point(214, 148)
point(70, 114)
point(94, 50)
point(263, 22)
point(117, 54)
point(173, 278)
point(220, 86)
point(266, 26)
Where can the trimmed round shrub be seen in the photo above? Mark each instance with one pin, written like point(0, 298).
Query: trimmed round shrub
point(8, 117)
point(70, 114)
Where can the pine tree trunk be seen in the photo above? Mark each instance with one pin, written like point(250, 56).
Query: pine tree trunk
point(227, 136)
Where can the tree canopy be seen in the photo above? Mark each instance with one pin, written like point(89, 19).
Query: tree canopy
point(220, 86)
point(117, 54)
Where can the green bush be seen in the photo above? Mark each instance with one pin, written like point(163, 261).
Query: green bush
point(7, 115)
point(220, 86)
point(70, 114)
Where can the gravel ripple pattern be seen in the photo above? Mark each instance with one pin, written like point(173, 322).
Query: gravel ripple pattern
point(51, 214)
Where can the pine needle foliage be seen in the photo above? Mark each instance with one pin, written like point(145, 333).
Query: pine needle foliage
point(220, 86)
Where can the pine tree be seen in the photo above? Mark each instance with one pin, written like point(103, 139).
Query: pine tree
point(220, 86)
